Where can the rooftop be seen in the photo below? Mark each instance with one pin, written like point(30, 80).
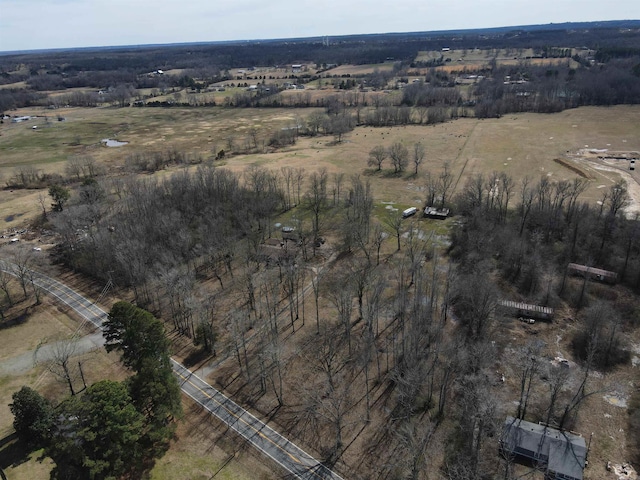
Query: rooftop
point(564, 454)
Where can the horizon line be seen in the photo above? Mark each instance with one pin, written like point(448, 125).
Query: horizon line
point(558, 25)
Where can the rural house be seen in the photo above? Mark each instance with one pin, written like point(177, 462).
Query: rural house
point(561, 455)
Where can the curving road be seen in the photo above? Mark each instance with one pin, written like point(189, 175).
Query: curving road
point(285, 453)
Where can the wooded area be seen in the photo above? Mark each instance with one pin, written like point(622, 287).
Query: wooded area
point(402, 343)
point(376, 341)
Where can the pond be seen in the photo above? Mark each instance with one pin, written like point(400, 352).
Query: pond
point(113, 143)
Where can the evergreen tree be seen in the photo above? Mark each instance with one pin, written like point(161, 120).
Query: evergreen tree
point(33, 416)
point(97, 434)
point(60, 195)
point(144, 348)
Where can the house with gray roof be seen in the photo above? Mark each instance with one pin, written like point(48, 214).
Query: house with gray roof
point(561, 455)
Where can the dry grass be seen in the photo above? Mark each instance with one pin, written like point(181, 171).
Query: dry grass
point(45, 321)
point(14, 85)
point(520, 144)
point(42, 322)
point(356, 70)
point(204, 447)
point(469, 61)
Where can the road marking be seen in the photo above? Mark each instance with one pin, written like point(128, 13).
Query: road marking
point(79, 303)
point(240, 419)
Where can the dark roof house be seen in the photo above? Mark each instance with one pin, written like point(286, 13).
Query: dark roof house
point(561, 455)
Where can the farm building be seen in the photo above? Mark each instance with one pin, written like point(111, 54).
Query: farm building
point(438, 213)
point(519, 309)
point(562, 455)
point(593, 273)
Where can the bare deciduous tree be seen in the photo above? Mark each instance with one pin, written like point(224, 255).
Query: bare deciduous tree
point(57, 357)
point(528, 362)
point(316, 200)
point(445, 182)
point(418, 155)
point(393, 220)
point(377, 155)
point(22, 259)
point(5, 284)
point(399, 155)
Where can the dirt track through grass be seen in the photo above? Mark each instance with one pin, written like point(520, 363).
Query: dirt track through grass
point(455, 186)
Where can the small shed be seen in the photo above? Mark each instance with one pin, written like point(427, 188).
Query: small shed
point(562, 455)
point(437, 213)
point(591, 273)
point(519, 309)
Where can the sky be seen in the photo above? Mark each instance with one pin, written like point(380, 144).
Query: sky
point(42, 24)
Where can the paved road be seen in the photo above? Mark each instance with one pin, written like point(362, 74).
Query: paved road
point(289, 456)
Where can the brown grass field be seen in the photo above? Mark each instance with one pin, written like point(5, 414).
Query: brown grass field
point(470, 61)
point(520, 144)
point(355, 70)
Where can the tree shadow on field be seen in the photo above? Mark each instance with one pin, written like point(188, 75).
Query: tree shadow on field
point(16, 316)
point(13, 452)
point(391, 174)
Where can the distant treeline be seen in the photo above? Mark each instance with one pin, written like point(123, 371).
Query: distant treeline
point(607, 72)
point(353, 49)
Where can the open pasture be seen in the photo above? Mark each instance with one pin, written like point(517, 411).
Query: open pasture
point(475, 60)
point(356, 70)
point(518, 144)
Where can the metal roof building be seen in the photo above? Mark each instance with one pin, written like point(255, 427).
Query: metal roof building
point(593, 273)
point(527, 310)
point(438, 213)
point(562, 455)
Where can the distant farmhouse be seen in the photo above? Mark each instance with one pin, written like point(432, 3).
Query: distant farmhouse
point(561, 455)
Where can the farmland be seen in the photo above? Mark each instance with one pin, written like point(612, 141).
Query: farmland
point(523, 144)
point(375, 342)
